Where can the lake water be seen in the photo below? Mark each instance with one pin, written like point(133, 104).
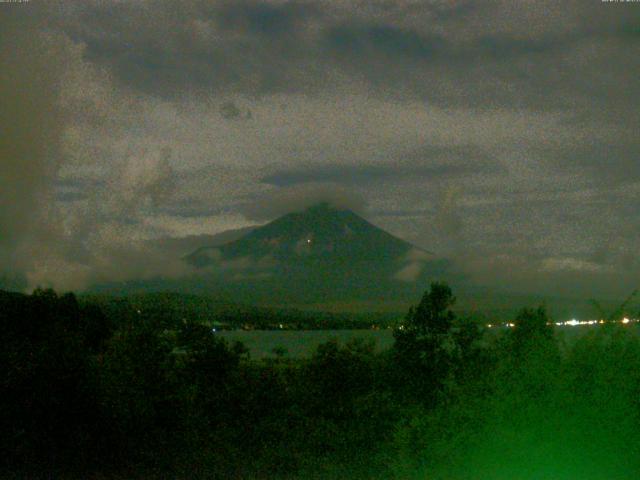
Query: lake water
point(303, 343)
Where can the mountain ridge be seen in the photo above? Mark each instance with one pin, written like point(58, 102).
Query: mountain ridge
point(320, 230)
point(319, 254)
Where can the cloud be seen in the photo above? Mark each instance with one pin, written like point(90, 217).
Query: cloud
point(263, 18)
point(39, 240)
point(295, 199)
point(178, 247)
point(415, 262)
point(145, 179)
point(230, 111)
point(390, 42)
point(448, 218)
point(231, 44)
point(448, 54)
point(522, 272)
point(432, 164)
point(29, 144)
point(410, 272)
point(572, 264)
point(418, 255)
point(620, 159)
point(472, 128)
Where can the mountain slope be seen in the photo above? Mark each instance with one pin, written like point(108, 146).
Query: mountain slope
point(319, 254)
point(320, 231)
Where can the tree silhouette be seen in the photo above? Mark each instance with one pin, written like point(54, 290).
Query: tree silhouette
point(424, 347)
point(531, 325)
point(617, 313)
point(433, 314)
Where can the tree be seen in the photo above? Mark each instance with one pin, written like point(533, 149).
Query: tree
point(531, 327)
point(616, 314)
point(531, 366)
point(424, 346)
point(137, 392)
point(46, 404)
point(208, 359)
point(433, 314)
point(96, 327)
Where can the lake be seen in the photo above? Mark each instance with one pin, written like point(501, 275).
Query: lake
point(303, 343)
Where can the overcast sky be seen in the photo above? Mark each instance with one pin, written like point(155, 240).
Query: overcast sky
point(501, 134)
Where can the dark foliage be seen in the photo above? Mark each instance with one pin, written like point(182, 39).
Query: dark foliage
point(122, 394)
point(426, 345)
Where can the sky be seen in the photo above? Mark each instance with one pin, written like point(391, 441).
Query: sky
point(500, 134)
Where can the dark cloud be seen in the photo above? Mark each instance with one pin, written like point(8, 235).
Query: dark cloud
point(448, 217)
point(164, 47)
point(73, 189)
point(607, 164)
point(70, 196)
point(270, 20)
point(192, 207)
point(264, 47)
point(297, 198)
point(362, 42)
point(230, 111)
point(367, 174)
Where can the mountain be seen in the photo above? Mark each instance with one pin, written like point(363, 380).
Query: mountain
point(321, 254)
point(323, 259)
point(320, 232)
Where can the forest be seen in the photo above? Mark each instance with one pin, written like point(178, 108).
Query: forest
point(94, 393)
